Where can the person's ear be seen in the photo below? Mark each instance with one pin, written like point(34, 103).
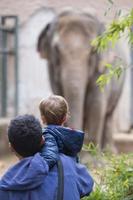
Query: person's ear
point(11, 148)
point(64, 119)
point(43, 119)
point(13, 151)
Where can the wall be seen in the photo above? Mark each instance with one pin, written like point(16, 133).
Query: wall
point(33, 74)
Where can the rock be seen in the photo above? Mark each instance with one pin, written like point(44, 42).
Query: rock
point(3, 136)
point(124, 142)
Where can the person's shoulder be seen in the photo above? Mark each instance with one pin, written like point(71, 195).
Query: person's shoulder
point(73, 130)
point(3, 194)
point(68, 160)
point(67, 157)
point(69, 164)
point(49, 127)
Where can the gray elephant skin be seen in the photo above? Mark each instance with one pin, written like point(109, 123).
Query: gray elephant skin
point(74, 66)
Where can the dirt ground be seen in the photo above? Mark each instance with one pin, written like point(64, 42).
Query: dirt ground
point(6, 162)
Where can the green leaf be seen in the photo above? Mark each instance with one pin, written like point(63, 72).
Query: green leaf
point(108, 65)
point(110, 1)
point(118, 72)
point(114, 31)
point(119, 12)
point(105, 13)
point(91, 148)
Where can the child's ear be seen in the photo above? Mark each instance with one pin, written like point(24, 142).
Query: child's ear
point(64, 119)
point(43, 119)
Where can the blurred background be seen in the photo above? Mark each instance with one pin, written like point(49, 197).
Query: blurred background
point(24, 78)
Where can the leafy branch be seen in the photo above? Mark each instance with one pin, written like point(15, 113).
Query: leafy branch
point(113, 71)
point(109, 38)
point(114, 32)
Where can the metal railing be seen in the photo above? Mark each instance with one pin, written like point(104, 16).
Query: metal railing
point(8, 27)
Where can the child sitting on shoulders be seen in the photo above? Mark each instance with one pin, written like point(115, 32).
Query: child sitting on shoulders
point(58, 139)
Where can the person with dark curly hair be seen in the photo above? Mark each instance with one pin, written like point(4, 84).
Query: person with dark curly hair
point(31, 178)
point(25, 135)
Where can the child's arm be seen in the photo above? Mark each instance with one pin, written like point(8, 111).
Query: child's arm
point(49, 150)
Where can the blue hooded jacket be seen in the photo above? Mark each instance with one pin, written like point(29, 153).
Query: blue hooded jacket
point(30, 180)
point(59, 139)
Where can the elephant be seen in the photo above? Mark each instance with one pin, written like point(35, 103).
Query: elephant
point(74, 66)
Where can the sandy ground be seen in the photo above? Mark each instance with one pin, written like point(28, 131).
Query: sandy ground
point(6, 162)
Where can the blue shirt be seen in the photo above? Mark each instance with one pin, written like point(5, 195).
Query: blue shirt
point(31, 179)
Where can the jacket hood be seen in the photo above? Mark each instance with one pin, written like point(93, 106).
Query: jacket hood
point(69, 141)
point(27, 174)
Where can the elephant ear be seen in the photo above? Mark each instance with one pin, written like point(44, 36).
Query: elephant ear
point(96, 58)
point(46, 46)
point(42, 43)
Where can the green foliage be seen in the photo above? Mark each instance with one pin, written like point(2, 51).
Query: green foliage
point(91, 148)
point(111, 2)
point(113, 71)
point(109, 38)
point(114, 31)
point(114, 178)
point(109, 8)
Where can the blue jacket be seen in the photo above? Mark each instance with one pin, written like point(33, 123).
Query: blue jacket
point(59, 139)
point(30, 180)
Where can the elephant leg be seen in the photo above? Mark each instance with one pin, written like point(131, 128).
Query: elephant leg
point(94, 116)
point(107, 137)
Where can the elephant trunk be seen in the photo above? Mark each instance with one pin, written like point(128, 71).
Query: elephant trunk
point(74, 81)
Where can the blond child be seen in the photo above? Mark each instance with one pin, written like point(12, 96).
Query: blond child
point(54, 112)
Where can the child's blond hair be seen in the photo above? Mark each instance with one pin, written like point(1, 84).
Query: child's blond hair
point(54, 109)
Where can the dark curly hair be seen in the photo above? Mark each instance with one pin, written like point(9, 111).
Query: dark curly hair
point(25, 135)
